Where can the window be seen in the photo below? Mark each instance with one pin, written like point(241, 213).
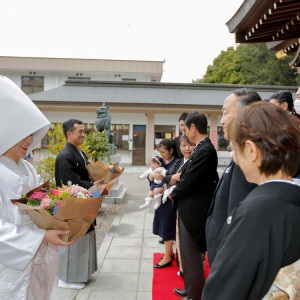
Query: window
point(222, 143)
point(32, 84)
point(89, 127)
point(163, 132)
point(121, 136)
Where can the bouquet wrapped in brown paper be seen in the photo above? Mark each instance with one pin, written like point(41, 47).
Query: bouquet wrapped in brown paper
point(70, 208)
point(98, 170)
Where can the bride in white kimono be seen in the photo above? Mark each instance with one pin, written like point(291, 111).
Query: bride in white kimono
point(28, 255)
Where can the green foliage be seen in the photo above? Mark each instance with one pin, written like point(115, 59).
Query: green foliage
point(250, 64)
point(57, 141)
point(33, 202)
point(95, 147)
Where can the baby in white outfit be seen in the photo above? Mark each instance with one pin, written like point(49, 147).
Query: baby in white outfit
point(156, 186)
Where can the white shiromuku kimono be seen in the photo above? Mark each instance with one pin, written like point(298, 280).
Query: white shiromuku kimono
point(27, 264)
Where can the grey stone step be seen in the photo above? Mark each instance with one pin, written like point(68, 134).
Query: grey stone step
point(116, 189)
point(116, 199)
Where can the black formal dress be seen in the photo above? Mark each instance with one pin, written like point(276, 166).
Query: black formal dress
point(260, 237)
point(78, 261)
point(193, 193)
point(231, 190)
point(164, 223)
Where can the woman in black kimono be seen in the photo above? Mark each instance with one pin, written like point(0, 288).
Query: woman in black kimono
point(186, 149)
point(164, 223)
point(263, 233)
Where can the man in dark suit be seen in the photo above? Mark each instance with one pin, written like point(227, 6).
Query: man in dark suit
point(177, 152)
point(233, 186)
point(78, 261)
point(193, 193)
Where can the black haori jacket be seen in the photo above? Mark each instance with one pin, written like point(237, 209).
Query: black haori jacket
point(70, 166)
point(195, 190)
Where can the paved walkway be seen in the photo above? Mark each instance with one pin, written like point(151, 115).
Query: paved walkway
point(125, 258)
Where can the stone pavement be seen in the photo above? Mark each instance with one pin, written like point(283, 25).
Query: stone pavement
point(125, 258)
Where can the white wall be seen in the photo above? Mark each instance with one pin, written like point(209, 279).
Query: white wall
point(85, 117)
point(55, 79)
point(129, 118)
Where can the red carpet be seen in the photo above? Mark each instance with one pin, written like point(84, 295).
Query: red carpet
point(166, 280)
point(206, 268)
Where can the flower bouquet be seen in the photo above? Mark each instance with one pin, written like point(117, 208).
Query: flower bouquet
point(68, 208)
point(98, 170)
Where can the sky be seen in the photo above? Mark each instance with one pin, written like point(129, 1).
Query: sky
point(187, 35)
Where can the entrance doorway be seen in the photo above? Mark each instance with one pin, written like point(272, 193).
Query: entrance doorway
point(139, 144)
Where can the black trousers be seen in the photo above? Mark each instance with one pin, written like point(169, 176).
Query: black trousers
point(192, 264)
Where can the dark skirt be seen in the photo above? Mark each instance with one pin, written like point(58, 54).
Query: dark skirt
point(164, 223)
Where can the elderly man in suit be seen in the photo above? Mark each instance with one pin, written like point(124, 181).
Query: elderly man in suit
point(79, 261)
point(193, 193)
point(233, 186)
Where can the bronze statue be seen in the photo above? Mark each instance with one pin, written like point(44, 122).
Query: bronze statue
point(103, 122)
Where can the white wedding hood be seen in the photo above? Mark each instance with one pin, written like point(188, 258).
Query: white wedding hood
point(19, 117)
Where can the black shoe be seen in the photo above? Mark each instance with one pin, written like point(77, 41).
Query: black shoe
point(179, 292)
point(172, 257)
point(158, 266)
point(161, 241)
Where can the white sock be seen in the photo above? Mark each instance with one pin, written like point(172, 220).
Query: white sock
point(157, 196)
point(147, 203)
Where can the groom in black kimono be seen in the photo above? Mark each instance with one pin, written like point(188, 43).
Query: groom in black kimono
point(78, 261)
point(194, 193)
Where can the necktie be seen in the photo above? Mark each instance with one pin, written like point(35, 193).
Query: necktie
point(82, 156)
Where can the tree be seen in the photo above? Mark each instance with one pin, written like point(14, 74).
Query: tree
point(57, 141)
point(95, 146)
point(250, 64)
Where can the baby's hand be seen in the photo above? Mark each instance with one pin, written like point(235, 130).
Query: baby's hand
point(138, 177)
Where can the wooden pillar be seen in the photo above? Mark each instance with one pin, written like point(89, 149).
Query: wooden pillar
point(149, 136)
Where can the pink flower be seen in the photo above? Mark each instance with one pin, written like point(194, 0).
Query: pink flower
point(45, 203)
point(54, 192)
point(58, 203)
point(38, 195)
point(75, 189)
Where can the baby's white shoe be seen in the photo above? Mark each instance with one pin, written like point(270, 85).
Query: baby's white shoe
point(147, 203)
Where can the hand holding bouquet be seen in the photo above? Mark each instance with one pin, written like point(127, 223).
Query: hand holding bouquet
point(70, 208)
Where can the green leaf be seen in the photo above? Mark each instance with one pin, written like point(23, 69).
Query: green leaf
point(250, 64)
